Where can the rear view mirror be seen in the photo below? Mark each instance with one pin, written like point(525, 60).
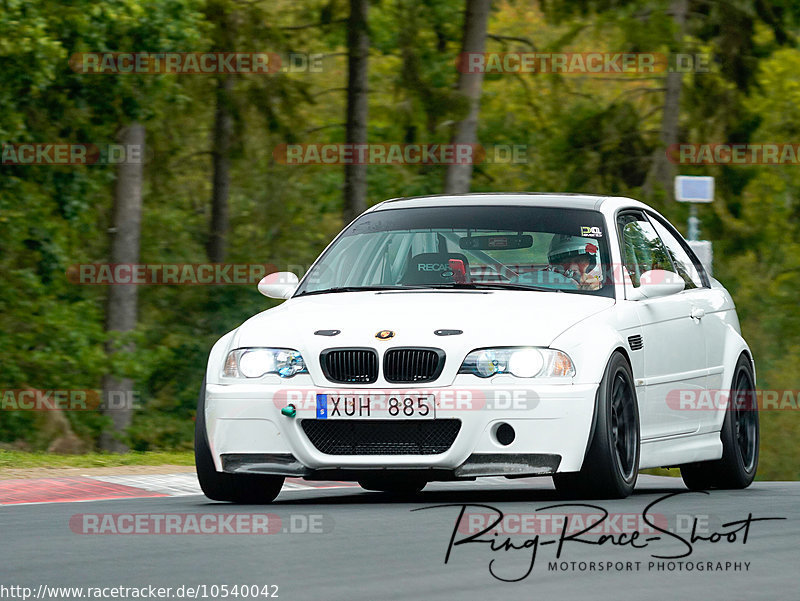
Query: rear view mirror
point(498, 242)
point(280, 284)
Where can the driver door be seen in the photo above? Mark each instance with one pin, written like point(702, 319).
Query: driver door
point(673, 343)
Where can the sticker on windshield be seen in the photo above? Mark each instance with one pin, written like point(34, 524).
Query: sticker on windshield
point(592, 231)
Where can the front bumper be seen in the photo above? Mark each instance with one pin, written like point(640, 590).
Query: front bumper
point(248, 434)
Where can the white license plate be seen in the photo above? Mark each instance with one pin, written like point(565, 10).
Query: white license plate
point(366, 406)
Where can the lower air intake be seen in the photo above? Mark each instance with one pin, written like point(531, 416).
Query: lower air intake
point(381, 437)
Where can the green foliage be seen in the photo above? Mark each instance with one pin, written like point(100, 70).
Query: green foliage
point(580, 133)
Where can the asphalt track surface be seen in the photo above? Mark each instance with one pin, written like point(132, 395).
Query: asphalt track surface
point(372, 547)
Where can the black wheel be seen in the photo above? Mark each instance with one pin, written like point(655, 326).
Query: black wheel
point(397, 485)
point(740, 439)
point(611, 465)
point(219, 486)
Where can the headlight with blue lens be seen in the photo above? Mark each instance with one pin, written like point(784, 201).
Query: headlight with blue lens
point(522, 362)
point(257, 362)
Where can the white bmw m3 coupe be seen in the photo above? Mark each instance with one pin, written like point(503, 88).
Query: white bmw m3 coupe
point(452, 337)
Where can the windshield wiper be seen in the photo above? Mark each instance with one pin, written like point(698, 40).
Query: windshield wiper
point(450, 286)
point(356, 289)
point(494, 286)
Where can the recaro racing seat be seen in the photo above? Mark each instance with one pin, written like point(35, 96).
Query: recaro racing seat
point(432, 268)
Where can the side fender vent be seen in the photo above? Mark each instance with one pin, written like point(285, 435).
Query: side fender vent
point(636, 342)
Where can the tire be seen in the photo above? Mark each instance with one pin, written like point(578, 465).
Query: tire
point(740, 438)
point(397, 485)
point(219, 486)
point(611, 465)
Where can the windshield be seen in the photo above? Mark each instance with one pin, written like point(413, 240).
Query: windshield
point(480, 247)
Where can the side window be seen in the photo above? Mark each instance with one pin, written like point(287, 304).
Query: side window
point(642, 249)
point(680, 258)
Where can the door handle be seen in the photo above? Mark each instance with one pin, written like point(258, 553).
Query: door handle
point(698, 313)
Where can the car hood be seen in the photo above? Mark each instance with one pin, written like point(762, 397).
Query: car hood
point(486, 318)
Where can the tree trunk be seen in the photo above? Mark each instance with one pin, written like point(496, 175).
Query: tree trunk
point(223, 131)
point(662, 171)
point(121, 311)
point(458, 177)
point(355, 176)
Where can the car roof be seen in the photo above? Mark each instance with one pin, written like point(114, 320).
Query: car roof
point(532, 199)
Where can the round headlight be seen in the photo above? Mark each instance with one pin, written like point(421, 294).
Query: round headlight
point(487, 364)
point(525, 363)
point(255, 363)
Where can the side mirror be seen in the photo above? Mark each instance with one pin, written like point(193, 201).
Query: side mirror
point(657, 283)
point(280, 284)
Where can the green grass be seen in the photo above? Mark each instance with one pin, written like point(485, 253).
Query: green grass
point(21, 459)
point(780, 432)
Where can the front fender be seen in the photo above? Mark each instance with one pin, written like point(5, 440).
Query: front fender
point(590, 346)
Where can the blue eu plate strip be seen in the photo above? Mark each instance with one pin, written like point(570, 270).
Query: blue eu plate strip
point(322, 406)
